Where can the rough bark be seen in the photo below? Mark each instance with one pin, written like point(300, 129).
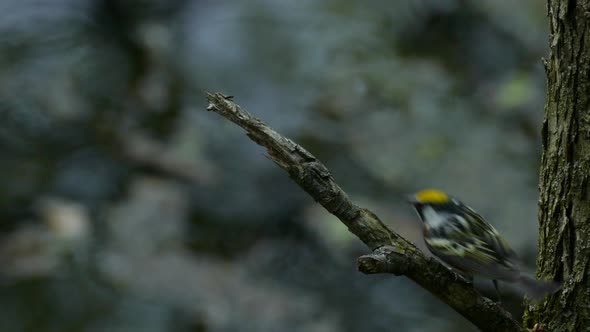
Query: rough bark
point(564, 204)
point(391, 252)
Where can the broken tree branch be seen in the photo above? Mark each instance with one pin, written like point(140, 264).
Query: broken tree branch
point(391, 252)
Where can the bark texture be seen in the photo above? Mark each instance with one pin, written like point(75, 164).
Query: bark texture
point(564, 204)
point(391, 252)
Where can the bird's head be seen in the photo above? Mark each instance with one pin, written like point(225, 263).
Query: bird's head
point(430, 197)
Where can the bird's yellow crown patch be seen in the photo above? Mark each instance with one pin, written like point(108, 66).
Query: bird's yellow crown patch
point(432, 196)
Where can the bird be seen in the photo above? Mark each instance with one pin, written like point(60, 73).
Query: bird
point(463, 240)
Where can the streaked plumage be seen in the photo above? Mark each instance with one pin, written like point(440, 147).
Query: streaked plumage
point(462, 239)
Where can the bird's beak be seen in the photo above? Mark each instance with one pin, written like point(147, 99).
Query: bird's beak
point(411, 198)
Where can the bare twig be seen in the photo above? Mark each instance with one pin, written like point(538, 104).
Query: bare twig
point(391, 252)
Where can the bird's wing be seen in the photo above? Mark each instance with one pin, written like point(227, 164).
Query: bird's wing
point(473, 246)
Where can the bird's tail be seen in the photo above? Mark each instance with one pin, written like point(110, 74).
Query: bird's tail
point(538, 289)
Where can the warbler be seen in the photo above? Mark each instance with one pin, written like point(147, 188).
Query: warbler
point(463, 240)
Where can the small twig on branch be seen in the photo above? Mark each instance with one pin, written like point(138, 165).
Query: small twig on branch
point(391, 252)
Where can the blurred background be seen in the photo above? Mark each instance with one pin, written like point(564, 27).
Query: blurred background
point(125, 206)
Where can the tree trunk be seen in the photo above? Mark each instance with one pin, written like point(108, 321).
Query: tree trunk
point(564, 204)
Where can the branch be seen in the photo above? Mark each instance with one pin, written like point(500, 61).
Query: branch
point(391, 252)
